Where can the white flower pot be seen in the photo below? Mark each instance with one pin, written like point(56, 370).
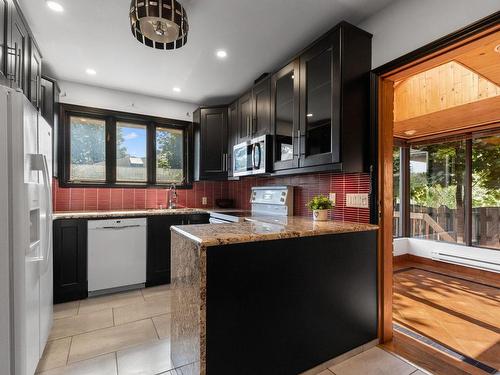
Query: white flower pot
point(320, 215)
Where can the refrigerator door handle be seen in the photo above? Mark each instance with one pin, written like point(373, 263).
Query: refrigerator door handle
point(48, 212)
point(39, 163)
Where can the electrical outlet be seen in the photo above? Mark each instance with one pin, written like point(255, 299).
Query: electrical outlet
point(356, 200)
point(332, 197)
point(204, 201)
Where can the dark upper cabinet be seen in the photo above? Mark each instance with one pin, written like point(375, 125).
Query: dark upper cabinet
point(319, 121)
point(261, 108)
point(232, 139)
point(18, 51)
point(35, 74)
point(334, 100)
point(285, 92)
point(70, 260)
point(255, 112)
point(245, 118)
point(4, 21)
point(210, 134)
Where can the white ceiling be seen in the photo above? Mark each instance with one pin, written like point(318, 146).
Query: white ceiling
point(258, 35)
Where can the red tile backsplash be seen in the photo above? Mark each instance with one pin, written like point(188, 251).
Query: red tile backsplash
point(306, 186)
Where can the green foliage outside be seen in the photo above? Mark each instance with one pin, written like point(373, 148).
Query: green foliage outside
point(87, 143)
point(443, 184)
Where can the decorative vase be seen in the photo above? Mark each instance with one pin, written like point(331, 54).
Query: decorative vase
point(320, 215)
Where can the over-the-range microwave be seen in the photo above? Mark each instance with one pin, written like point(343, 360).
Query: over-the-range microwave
point(252, 157)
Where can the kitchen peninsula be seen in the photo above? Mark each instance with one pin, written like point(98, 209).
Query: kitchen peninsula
point(278, 296)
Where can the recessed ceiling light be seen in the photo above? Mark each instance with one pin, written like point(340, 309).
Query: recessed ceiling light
point(90, 72)
point(55, 6)
point(410, 132)
point(309, 115)
point(177, 89)
point(221, 54)
point(497, 48)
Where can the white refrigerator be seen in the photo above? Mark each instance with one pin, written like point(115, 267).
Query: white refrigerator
point(25, 234)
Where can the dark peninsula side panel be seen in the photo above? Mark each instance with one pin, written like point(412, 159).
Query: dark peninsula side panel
point(285, 306)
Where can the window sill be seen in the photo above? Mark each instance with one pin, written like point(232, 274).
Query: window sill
point(119, 185)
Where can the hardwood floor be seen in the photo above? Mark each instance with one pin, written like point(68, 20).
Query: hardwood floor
point(459, 314)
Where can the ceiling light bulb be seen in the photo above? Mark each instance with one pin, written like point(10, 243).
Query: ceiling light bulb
point(497, 48)
point(309, 115)
point(90, 72)
point(221, 54)
point(55, 6)
point(176, 89)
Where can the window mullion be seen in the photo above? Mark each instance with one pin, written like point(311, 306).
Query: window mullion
point(468, 193)
point(404, 181)
point(151, 147)
point(111, 150)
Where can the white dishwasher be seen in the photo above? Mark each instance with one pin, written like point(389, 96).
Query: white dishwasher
point(116, 254)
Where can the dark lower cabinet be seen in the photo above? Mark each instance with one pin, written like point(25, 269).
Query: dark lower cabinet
point(158, 248)
point(292, 303)
point(70, 260)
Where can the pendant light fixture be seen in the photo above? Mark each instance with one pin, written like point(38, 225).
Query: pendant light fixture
point(160, 24)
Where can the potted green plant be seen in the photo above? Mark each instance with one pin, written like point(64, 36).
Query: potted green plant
point(320, 206)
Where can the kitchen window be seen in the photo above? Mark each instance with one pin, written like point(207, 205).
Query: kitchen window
point(87, 149)
point(101, 148)
point(169, 151)
point(131, 152)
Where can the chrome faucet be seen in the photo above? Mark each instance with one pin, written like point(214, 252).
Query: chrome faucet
point(172, 196)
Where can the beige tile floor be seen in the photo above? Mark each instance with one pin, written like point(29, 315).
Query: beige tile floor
point(129, 333)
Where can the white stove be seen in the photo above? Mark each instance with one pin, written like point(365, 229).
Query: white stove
point(272, 201)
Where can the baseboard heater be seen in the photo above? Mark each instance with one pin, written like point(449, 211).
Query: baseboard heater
point(492, 265)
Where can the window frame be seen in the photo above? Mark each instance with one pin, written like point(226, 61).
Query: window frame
point(111, 117)
point(405, 172)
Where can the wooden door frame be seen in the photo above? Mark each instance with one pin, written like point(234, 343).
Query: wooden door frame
point(382, 86)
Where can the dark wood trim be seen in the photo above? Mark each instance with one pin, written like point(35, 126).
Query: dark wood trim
point(438, 45)
point(111, 117)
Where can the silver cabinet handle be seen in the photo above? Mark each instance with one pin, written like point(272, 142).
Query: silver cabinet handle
point(299, 141)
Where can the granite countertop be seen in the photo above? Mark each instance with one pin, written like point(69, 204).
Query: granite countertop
point(265, 228)
point(126, 213)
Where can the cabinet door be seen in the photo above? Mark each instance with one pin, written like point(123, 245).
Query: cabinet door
point(261, 102)
point(213, 156)
point(4, 11)
point(158, 248)
point(35, 75)
point(70, 260)
point(245, 118)
point(285, 117)
point(320, 103)
point(18, 52)
point(232, 135)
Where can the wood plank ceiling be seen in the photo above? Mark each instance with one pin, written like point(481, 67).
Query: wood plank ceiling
point(457, 95)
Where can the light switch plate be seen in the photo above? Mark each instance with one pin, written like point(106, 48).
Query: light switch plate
point(204, 201)
point(356, 200)
point(332, 198)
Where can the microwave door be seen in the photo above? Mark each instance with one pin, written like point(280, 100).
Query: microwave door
point(242, 159)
